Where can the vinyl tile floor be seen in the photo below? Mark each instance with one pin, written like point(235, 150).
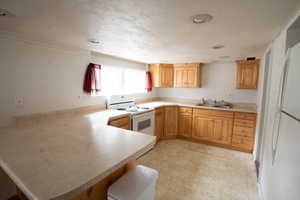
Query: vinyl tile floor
point(192, 171)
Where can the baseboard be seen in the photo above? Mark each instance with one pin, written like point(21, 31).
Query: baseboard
point(226, 146)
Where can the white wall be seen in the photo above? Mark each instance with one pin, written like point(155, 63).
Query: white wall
point(218, 82)
point(46, 78)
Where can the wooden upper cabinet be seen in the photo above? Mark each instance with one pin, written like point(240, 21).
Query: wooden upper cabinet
point(162, 75)
point(247, 74)
point(187, 75)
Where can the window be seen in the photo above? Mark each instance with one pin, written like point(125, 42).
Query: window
point(118, 80)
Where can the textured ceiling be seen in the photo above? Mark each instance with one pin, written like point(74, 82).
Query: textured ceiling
point(151, 30)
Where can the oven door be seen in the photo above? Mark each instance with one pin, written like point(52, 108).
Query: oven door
point(143, 123)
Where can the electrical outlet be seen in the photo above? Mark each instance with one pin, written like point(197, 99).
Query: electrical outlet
point(19, 101)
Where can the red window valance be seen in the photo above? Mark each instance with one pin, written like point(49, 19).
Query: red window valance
point(92, 79)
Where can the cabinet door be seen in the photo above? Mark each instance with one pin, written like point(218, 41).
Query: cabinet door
point(166, 75)
point(187, 75)
point(179, 74)
point(193, 79)
point(154, 70)
point(159, 122)
point(222, 130)
point(247, 74)
point(171, 120)
point(213, 129)
point(185, 125)
point(203, 128)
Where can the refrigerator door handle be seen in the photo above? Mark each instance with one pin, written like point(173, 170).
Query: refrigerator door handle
point(283, 81)
point(275, 135)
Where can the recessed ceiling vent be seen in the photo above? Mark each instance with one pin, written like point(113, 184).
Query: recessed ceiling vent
point(5, 13)
point(94, 41)
point(218, 46)
point(202, 18)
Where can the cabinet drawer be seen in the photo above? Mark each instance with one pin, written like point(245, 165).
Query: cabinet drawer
point(244, 123)
point(243, 131)
point(245, 116)
point(120, 122)
point(185, 110)
point(242, 142)
point(214, 113)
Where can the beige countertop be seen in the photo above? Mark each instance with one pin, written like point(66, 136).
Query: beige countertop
point(60, 158)
point(250, 108)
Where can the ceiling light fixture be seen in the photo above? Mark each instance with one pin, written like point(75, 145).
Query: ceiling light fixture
point(94, 41)
point(202, 18)
point(218, 46)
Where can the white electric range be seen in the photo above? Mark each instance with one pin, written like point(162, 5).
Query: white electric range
point(142, 118)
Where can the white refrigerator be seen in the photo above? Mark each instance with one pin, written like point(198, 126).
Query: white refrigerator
point(282, 175)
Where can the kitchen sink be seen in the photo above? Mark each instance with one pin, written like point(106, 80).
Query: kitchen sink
point(225, 105)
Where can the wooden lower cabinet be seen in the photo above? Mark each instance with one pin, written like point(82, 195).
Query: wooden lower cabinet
point(159, 122)
point(244, 131)
point(203, 128)
point(185, 119)
point(234, 130)
point(212, 129)
point(122, 122)
point(244, 143)
point(171, 121)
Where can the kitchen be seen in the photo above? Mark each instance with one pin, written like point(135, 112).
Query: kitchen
point(92, 102)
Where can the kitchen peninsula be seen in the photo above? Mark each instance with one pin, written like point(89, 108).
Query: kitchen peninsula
point(62, 159)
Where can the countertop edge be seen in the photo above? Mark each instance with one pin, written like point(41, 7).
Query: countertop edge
point(82, 188)
point(17, 181)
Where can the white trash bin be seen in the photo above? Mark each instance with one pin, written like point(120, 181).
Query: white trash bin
point(137, 184)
